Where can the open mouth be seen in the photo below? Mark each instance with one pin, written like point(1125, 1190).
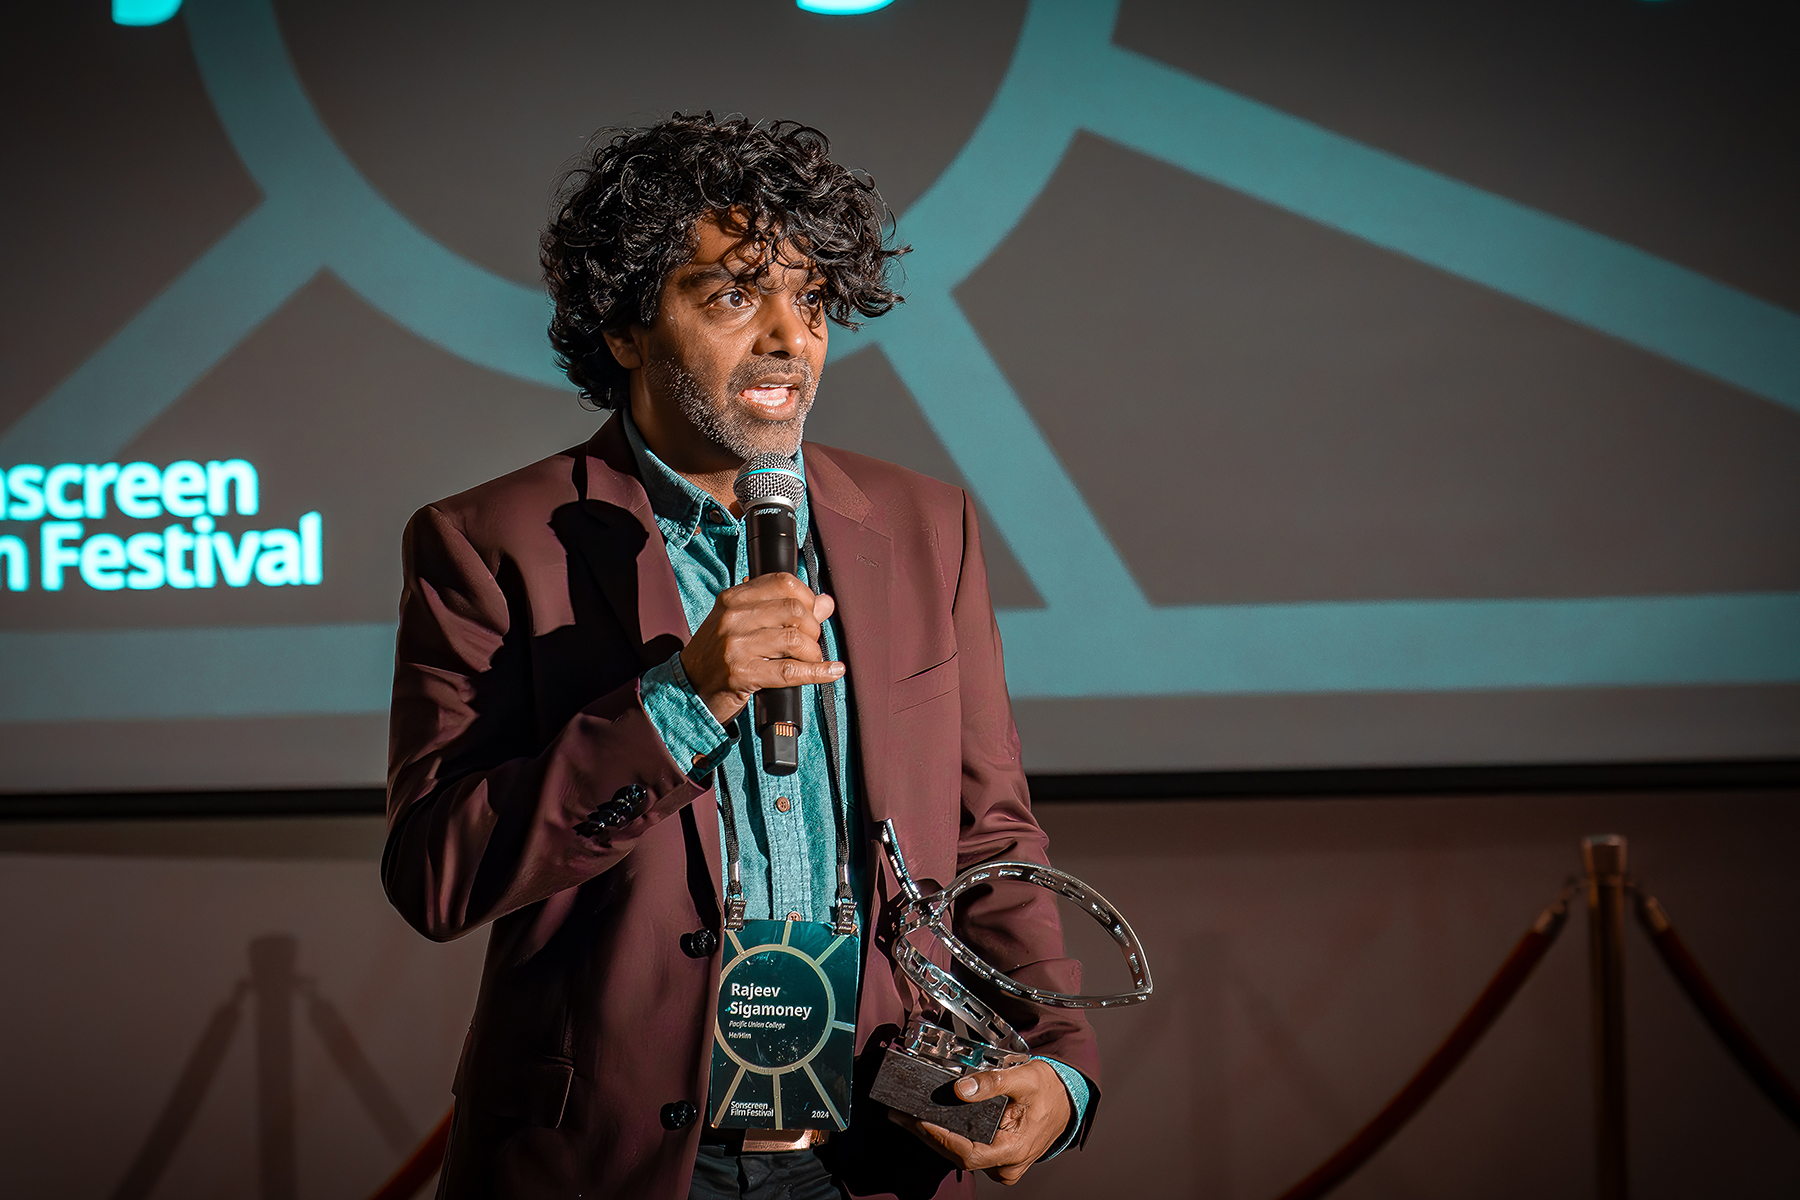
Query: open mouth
point(774, 401)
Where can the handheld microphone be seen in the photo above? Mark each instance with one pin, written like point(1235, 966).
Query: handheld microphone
point(769, 490)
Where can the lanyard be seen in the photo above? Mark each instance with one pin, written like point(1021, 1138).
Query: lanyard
point(844, 909)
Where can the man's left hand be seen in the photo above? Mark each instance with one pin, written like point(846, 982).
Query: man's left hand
point(1037, 1113)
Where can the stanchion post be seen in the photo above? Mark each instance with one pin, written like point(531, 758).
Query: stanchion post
point(272, 980)
point(1603, 859)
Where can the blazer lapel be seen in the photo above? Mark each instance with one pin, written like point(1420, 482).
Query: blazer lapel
point(859, 563)
point(612, 529)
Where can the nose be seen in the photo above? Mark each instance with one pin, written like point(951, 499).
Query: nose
point(784, 332)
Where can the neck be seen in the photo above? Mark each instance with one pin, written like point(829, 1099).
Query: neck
point(711, 468)
point(715, 484)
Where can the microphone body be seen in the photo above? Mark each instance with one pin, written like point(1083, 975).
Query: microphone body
point(774, 547)
point(769, 491)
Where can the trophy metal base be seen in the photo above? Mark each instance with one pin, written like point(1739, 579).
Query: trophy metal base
point(926, 1091)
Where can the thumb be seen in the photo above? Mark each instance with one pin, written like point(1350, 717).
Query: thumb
point(978, 1086)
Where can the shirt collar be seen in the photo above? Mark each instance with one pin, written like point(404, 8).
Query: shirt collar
point(678, 504)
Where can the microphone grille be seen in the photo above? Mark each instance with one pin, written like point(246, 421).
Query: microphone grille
point(768, 477)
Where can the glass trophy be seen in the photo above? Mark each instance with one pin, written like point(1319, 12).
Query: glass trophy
point(919, 1071)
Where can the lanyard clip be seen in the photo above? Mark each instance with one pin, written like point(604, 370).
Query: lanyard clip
point(734, 901)
point(844, 914)
point(844, 911)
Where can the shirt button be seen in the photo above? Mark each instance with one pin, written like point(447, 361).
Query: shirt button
point(698, 759)
point(793, 916)
point(782, 804)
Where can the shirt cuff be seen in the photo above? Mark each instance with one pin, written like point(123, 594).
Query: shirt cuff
point(1080, 1095)
point(693, 735)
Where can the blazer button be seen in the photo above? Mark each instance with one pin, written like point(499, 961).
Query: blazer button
point(699, 944)
point(679, 1115)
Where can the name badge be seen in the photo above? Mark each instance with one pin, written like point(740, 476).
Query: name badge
point(785, 1037)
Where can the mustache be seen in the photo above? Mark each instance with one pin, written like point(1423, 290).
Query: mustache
point(757, 374)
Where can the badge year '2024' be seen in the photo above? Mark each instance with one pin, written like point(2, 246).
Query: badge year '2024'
point(785, 1036)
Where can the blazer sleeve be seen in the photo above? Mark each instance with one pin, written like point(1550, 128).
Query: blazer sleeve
point(1014, 926)
point(481, 819)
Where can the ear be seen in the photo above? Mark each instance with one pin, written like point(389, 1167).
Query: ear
point(624, 347)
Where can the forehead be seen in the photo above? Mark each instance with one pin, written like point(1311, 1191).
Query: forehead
point(723, 247)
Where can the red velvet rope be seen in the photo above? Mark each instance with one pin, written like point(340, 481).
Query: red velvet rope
point(1410, 1099)
point(1713, 1009)
point(418, 1169)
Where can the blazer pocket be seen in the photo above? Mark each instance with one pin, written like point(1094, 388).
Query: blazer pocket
point(534, 1091)
point(924, 685)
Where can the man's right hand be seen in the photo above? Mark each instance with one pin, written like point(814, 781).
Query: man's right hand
point(760, 634)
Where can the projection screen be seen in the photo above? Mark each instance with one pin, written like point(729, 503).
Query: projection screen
point(1383, 384)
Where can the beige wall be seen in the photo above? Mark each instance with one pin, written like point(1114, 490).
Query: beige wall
point(1308, 955)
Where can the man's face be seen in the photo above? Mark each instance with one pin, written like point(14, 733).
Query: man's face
point(729, 368)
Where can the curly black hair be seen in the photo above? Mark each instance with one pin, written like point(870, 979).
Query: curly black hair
point(625, 218)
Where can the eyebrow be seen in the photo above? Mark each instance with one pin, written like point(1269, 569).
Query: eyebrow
point(711, 275)
point(717, 274)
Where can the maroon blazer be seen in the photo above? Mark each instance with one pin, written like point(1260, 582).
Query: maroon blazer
point(531, 606)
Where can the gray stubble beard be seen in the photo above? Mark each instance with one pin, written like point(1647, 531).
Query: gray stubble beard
point(720, 421)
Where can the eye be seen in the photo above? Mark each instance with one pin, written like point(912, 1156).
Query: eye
point(734, 298)
point(813, 297)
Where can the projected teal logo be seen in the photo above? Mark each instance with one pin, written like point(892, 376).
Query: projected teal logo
point(144, 12)
point(155, 12)
point(1066, 76)
point(842, 8)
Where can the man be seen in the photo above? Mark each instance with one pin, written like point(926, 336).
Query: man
point(578, 646)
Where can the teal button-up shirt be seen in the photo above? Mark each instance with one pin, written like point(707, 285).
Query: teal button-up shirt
point(786, 827)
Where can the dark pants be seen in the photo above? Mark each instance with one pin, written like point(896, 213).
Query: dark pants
point(721, 1173)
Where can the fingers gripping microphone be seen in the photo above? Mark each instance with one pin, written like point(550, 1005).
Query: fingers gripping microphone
point(769, 490)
